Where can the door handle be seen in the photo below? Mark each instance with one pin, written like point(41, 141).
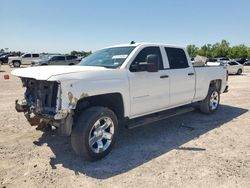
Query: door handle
point(190, 74)
point(164, 76)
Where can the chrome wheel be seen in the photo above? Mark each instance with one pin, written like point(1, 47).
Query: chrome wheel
point(214, 100)
point(101, 134)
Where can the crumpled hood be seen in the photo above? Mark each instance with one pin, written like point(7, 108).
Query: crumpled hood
point(45, 72)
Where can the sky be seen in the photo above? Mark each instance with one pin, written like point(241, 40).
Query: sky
point(62, 26)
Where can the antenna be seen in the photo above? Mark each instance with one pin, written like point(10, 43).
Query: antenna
point(132, 42)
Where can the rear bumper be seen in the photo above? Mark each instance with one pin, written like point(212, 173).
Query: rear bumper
point(226, 89)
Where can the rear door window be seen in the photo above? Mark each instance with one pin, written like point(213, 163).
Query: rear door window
point(177, 58)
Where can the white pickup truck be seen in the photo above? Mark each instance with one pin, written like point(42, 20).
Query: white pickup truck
point(125, 85)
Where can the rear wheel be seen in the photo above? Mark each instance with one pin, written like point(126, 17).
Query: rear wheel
point(16, 63)
point(239, 71)
point(94, 133)
point(211, 103)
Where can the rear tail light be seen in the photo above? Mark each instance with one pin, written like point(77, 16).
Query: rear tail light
point(227, 76)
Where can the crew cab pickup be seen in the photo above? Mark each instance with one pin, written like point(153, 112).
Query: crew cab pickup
point(25, 59)
point(125, 85)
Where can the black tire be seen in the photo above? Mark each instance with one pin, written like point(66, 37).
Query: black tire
point(83, 129)
point(1, 62)
point(44, 64)
point(71, 64)
point(239, 71)
point(16, 63)
point(205, 105)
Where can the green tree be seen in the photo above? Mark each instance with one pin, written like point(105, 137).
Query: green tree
point(192, 50)
point(239, 51)
point(80, 53)
point(206, 50)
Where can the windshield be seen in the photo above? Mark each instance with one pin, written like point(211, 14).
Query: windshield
point(109, 57)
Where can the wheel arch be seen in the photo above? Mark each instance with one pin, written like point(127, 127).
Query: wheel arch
point(216, 83)
point(113, 101)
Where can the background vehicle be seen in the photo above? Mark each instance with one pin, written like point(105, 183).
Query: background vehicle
point(4, 58)
point(56, 60)
point(126, 85)
point(234, 67)
point(25, 59)
point(241, 60)
point(247, 63)
point(213, 62)
point(223, 59)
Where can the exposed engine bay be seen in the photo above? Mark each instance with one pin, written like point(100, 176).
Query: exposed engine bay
point(41, 97)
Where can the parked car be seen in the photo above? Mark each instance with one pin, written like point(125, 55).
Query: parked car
point(4, 58)
point(223, 59)
point(241, 60)
point(247, 63)
point(213, 62)
point(234, 67)
point(25, 59)
point(56, 60)
point(125, 85)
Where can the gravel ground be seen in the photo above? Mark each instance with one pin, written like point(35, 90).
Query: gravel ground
point(191, 150)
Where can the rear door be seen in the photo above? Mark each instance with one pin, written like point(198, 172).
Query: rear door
point(149, 91)
point(182, 77)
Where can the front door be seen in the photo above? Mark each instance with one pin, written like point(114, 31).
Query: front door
point(149, 91)
point(26, 59)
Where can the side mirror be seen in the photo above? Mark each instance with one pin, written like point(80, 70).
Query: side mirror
point(152, 63)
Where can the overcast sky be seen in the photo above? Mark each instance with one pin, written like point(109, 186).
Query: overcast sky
point(63, 26)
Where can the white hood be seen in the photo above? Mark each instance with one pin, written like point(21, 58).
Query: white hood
point(45, 72)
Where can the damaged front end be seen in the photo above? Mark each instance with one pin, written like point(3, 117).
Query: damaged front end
point(42, 105)
point(40, 97)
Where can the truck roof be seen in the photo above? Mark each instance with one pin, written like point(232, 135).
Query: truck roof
point(145, 43)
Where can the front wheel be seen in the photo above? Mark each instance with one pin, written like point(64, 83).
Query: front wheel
point(94, 133)
point(16, 64)
point(211, 103)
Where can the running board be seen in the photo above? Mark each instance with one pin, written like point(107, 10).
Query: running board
point(137, 122)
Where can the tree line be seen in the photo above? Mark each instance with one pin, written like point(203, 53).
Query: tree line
point(220, 49)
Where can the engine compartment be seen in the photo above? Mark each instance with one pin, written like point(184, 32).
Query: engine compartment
point(41, 96)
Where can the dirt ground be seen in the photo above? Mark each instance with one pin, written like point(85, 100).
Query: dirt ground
point(191, 150)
